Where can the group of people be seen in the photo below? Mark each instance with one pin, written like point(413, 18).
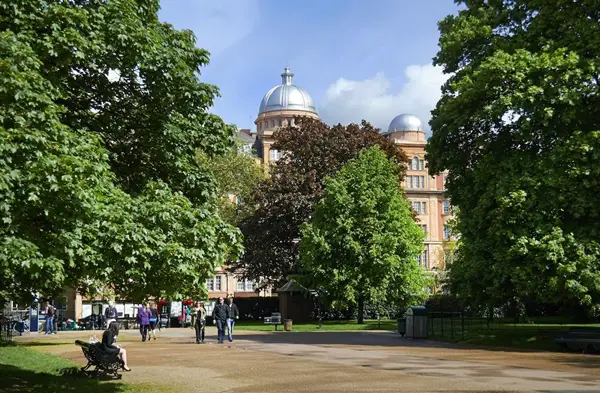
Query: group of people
point(224, 316)
point(147, 318)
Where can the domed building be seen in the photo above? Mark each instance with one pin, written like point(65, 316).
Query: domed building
point(277, 109)
point(425, 193)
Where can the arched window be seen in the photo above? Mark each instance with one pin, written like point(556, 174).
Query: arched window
point(415, 163)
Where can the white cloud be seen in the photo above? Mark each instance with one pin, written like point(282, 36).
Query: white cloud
point(347, 101)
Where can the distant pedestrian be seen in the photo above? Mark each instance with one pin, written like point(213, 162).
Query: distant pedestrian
point(144, 320)
point(50, 312)
point(232, 314)
point(220, 314)
point(110, 314)
point(154, 319)
point(200, 322)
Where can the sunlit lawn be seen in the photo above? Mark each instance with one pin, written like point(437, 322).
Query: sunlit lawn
point(384, 324)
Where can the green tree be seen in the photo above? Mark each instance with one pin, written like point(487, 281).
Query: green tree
point(237, 173)
point(361, 244)
point(311, 151)
point(518, 127)
point(101, 114)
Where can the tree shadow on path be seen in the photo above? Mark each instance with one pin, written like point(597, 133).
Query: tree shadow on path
point(71, 380)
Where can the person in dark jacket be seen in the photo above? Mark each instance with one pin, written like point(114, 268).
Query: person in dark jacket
point(154, 319)
point(108, 344)
point(110, 314)
point(220, 314)
point(233, 314)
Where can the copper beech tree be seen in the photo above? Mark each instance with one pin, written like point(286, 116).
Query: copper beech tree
point(311, 151)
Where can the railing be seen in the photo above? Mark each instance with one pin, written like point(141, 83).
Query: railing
point(6, 329)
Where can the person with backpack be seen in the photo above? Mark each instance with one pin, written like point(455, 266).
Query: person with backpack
point(50, 311)
point(110, 314)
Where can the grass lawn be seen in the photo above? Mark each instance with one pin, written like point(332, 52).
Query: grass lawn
point(386, 324)
point(26, 370)
point(531, 336)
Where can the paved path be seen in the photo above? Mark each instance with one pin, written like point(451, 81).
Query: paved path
point(346, 362)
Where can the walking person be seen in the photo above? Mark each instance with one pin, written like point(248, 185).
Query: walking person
point(153, 321)
point(110, 314)
point(200, 322)
point(233, 314)
point(50, 311)
point(220, 314)
point(144, 320)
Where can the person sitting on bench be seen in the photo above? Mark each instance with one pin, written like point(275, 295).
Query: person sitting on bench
point(108, 344)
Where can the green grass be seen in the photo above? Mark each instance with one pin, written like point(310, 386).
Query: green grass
point(327, 326)
point(26, 370)
point(529, 336)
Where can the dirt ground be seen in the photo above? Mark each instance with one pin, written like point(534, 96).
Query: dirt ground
point(334, 362)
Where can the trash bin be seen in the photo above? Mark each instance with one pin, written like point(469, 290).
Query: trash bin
point(416, 322)
point(402, 326)
point(287, 325)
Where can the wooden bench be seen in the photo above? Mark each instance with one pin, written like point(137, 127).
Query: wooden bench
point(104, 364)
point(581, 338)
point(274, 319)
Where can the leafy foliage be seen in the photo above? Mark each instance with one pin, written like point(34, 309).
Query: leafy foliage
point(518, 128)
point(236, 173)
point(361, 243)
point(311, 151)
point(98, 177)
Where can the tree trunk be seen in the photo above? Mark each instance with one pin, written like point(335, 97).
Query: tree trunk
point(361, 309)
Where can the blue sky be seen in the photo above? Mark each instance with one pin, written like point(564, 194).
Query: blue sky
point(357, 59)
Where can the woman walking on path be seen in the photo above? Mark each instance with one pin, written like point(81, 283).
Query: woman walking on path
point(144, 320)
point(200, 322)
point(153, 321)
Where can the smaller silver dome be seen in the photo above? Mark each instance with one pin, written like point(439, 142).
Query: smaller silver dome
point(287, 96)
point(406, 122)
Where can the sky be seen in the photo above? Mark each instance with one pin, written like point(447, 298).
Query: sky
point(357, 59)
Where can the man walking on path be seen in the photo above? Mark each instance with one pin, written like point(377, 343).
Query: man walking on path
point(220, 314)
point(233, 314)
point(50, 319)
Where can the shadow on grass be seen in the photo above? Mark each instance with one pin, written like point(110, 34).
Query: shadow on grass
point(42, 343)
point(14, 379)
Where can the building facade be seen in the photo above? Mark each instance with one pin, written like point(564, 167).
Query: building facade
point(425, 193)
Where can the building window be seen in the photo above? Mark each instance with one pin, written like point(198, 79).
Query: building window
point(266, 124)
point(419, 207)
point(421, 165)
point(421, 181)
point(245, 286)
point(422, 259)
point(272, 123)
point(415, 163)
point(424, 228)
point(446, 206)
point(279, 123)
point(409, 180)
point(274, 154)
point(213, 284)
point(415, 182)
point(446, 232)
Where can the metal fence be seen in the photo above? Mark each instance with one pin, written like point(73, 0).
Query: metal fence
point(6, 329)
point(456, 324)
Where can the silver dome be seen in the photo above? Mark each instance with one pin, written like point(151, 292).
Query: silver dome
point(406, 122)
point(287, 96)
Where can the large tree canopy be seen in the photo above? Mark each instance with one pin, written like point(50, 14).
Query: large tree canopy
point(101, 115)
point(361, 244)
point(518, 127)
point(311, 151)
